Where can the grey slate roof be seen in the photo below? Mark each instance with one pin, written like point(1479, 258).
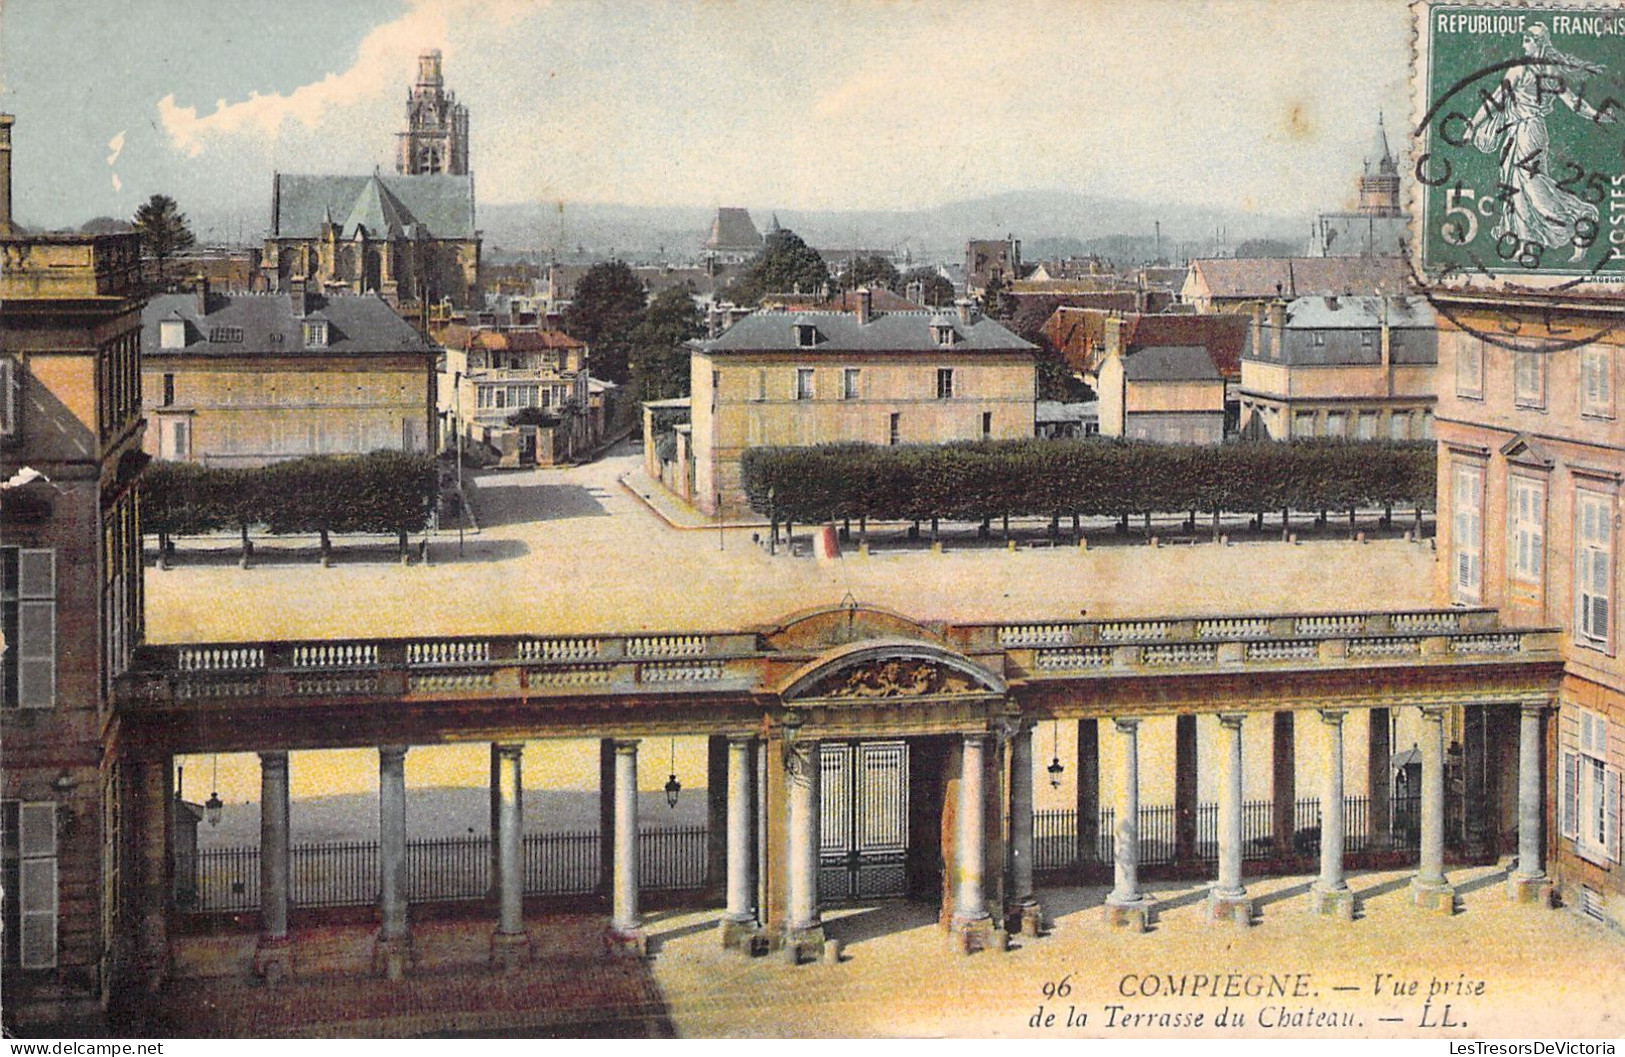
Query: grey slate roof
point(1171, 363)
point(1360, 313)
point(357, 325)
point(734, 230)
point(840, 332)
point(434, 206)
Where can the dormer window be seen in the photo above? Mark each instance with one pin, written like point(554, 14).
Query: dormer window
point(806, 335)
point(172, 333)
point(944, 334)
point(315, 332)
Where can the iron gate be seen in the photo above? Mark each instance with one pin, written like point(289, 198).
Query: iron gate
point(863, 820)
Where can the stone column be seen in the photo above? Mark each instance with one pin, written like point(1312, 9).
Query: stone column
point(1379, 778)
point(273, 957)
point(1023, 903)
point(625, 923)
point(1430, 889)
point(1088, 799)
point(151, 792)
point(803, 925)
point(1330, 893)
point(1529, 883)
point(1284, 776)
point(1127, 906)
point(392, 951)
point(739, 920)
point(1186, 862)
point(1227, 900)
point(970, 920)
point(510, 943)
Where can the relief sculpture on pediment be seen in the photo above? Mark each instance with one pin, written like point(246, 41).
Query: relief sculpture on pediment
point(896, 677)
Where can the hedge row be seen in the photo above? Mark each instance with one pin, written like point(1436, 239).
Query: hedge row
point(386, 491)
point(977, 481)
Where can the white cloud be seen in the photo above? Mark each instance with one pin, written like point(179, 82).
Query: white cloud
point(116, 145)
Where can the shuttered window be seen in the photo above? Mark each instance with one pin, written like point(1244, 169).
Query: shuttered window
point(1526, 530)
point(1593, 568)
point(1597, 380)
point(28, 618)
point(30, 883)
point(1467, 532)
point(1591, 792)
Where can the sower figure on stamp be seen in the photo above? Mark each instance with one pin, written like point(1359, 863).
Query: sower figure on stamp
point(1512, 124)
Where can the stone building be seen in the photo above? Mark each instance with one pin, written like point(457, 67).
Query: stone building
point(1529, 512)
point(250, 379)
point(72, 613)
point(1168, 394)
point(804, 378)
point(436, 136)
point(492, 373)
point(988, 259)
point(1377, 227)
point(734, 238)
point(1356, 367)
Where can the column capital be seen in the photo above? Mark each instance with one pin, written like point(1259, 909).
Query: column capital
point(274, 761)
point(395, 754)
point(1126, 724)
point(742, 740)
point(976, 737)
point(1232, 720)
point(1534, 706)
point(1333, 716)
point(626, 746)
point(510, 749)
point(1433, 713)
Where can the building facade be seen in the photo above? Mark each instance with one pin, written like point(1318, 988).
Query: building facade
point(72, 609)
point(804, 378)
point(1355, 367)
point(989, 259)
point(250, 379)
point(1167, 394)
point(436, 136)
point(491, 374)
point(1529, 511)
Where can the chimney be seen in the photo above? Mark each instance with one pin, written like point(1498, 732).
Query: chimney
point(1114, 335)
point(866, 301)
point(1277, 328)
point(966, 309)
point(297, 295)
point(201, 285)
point(6, 121)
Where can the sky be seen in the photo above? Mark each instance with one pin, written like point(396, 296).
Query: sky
point(790, 104)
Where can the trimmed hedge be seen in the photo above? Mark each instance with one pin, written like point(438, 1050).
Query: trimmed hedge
point(385, 491)
point(977, 481)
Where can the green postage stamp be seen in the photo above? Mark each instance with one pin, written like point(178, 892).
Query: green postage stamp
point(1519, 152)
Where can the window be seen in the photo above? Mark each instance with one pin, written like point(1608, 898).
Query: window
point(849, 383)
point(28, 618)
point(1303, 424)
point(501, 397)
point(804, 383)
point(547, 396)
point(1526, 530)
point(1591, 793)
point(945, 383)
point(894, 429)
point(987, 425)
point(315, 333)
point(1467, 531)
point(1336, 424)
point(1367, 339)
point(10, 383)
point(1399, 426)
point(1529, 379)
point(29, 853)
point(1317, 339)
point(761, 385)
point(1427, 425)
point(172, 333)
point(1366, 425)
point(806, 335)
point(169, 390)
point(944, 334)
point(1597, 381)
point(1469, 367)
point(1593, 567)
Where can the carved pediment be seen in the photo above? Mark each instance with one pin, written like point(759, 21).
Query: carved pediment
point(1521, 449)
point(894, 677)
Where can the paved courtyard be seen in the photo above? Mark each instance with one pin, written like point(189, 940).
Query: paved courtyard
point(575, 550)
point(1493, 971)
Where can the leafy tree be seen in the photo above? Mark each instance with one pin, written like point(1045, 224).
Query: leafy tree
point(785, 264)
point(871, 271)
point(164, 231)
point(608, 305)
point(659, 351)
point(938, 291)
point(996, 299)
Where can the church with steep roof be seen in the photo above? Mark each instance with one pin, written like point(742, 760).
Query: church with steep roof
point(411, 237)
point(1376, 228)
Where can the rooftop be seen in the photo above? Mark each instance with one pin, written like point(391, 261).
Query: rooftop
point(841, 332)
point(433, 206)
point(262, 324)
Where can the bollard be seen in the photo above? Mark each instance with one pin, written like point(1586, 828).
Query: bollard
point(832, 952)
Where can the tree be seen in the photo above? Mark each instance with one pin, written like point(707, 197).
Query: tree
point(786, 264)
point(607, 306)
point(996, 299)
point(936, 291)
point(871, 271)
point(164, 231)
point(659, 345)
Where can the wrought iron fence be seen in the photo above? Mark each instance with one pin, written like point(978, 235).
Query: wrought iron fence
point(227, 880)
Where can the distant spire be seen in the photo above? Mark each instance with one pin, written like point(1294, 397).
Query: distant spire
point(1380, 161)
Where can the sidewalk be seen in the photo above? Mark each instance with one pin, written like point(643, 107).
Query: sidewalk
point(671, 509)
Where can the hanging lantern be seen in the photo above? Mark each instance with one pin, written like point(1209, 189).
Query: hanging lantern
point(214, 805)
point(1055, 768)
point(674, 788)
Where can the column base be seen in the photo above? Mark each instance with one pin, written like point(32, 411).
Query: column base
point(273, 959)
point(802, 944)
point(1434, 897)
point(1026, 919)
point(1229, 909)
point(392, 956)
point(1332, 902)
point(1532, 891)
point(1134, 915)
point(509, 950)
point(969, 935)
point(739, 935)
point(627, 942)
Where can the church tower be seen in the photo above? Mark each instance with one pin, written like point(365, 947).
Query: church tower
point(436, 136)
point(1379, 184)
